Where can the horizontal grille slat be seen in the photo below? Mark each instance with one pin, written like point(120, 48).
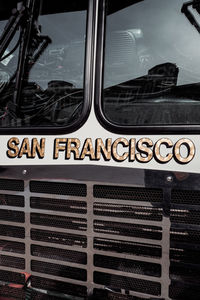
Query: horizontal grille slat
point(73, 206)
point(62, 287)
point(59, 221)
point(190, 197)
point(12, 185)
point(128, 193)
point(59, 254)
point(13, 262)
point(12, 293)
point(59, 188)
point(128, 211)
point(12, 231)
point(13, 277)
point(12, 216)
point(100, 294)
point(132, 230)
point(138, 249)
point(127, 265)
point(59, 238)
point(10, 246)
point(183, 290)
point(121, 282)
point(11, 200)
point(59, 270)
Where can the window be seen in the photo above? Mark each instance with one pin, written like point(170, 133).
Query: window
point(152, 64)
point(42, 57)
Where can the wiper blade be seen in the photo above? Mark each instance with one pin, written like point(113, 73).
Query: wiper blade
point(185, 9)
point(32, 44)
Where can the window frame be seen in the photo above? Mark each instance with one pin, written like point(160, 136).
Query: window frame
point(107, 124)
point(87, 83)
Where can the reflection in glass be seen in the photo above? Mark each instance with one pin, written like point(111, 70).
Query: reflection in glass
point(42, 65)
point(151, 69)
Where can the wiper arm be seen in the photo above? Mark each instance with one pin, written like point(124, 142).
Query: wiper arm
point(10, 29)
point(185, 9)
point(32, 44)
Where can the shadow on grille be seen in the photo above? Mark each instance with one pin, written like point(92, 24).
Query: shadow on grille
point(10, 246)
point(185, 197)
point(13, 262)
point(61, 287)
point(59, 238)
point(128, 193)
point(185, 216)
point(183, 254)
point(59, 254)
point(103, 294)
point(73, 206)
point(12, 185)
point(12, 200)
point(59, 188)
point(59, 270)
point(185, 272)
point(12, 293)
point(12, 216)
point(13, 277)
point(138, 249)
point(132, 230)
point(128, 211)
point(184, 291)
point(127, 283)
point(127, 265)
point(12, 231)
point(59, 221)
point(185, 235)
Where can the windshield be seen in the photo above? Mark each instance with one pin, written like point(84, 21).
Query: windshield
point(42, 65)
point(151, 68)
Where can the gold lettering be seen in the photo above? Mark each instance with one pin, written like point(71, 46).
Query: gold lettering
point(132, 149)
point(38, 148)
point(190, 148)
point(73, 145)
point(168, 143)
point(143, 146)
point(13, 148)
point(88, 150)
point(58, 147)
point(115, 154)
point(25, 149)
point(102, 149)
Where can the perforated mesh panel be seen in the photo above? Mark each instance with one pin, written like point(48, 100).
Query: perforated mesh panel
point(128, 193)
point(185, 244)
point(60, 188)
point(11, 185)
point(109, 242)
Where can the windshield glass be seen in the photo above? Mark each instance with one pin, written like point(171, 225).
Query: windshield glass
point(42, 64)
point(151, 68)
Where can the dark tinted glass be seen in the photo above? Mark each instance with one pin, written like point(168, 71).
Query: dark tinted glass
point(152, 63)
point(42, 65)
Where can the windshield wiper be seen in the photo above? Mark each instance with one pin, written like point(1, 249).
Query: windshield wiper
point(32, 43)
point(185, 9)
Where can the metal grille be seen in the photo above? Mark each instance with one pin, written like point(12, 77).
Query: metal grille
point(11, 185)
point(104, 241)
point(185, 244)
point(128, 193)
point(59, 188)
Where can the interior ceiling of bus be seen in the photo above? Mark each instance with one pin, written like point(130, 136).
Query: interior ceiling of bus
point(48, 7)
point(57, 6)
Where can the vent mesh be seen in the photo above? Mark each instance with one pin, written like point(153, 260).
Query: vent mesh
point(58, 270)
point(128, 193)
point(59, 188)
point(127, 283)
point(11, 185)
